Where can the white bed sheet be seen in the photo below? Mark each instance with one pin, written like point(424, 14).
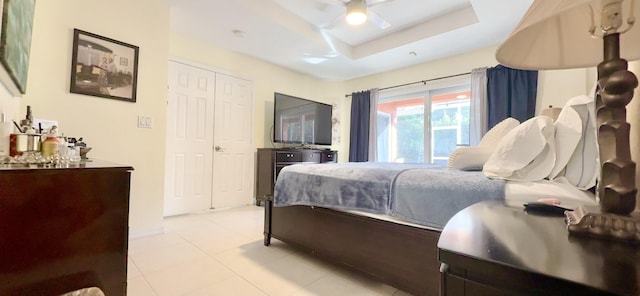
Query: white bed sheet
point(520, 192)
point(532, 191)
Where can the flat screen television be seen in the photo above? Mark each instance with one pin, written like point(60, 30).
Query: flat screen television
point(301, 121)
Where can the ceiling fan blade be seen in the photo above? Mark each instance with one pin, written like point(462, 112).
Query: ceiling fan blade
point(376, 2)
point(378, 20)
point(329, 41)
point(333, 2)
point(333, 22)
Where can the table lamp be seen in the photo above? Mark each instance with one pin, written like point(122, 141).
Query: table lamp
point(563, 34)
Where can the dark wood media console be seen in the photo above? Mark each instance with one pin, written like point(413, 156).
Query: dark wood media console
point(64, 229)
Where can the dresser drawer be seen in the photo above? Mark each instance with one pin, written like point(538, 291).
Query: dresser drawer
point(328, 156)
point(314, 157)
point(289, 156)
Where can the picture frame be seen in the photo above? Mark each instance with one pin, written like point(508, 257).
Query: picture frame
point(15, 43)
point(97, 67)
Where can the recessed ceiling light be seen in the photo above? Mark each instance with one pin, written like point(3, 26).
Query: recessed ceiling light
point(413, 53)
point(462, 96)
point(314, 60)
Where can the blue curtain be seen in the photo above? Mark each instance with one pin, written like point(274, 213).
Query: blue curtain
point(510, 93)
point(359, 137)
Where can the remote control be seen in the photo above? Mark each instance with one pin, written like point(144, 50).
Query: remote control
point(546, 208)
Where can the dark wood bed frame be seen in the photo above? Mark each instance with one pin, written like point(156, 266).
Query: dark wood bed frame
point(402, 256)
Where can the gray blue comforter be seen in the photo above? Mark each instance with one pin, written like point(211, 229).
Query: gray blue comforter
point(419, 193)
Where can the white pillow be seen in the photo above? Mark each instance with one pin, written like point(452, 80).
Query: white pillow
point(495, 134)
point(473, 158)
point(469, 158)
point(526, 153)
point(576, 144)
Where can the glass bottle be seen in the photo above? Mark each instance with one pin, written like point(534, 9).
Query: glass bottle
point(50, 144)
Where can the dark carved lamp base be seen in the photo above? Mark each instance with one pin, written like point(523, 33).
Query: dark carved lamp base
point(590, 220)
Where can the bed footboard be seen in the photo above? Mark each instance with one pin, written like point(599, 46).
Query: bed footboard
point(400, 255)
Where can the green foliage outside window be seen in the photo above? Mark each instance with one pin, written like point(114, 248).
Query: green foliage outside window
point(449, 116)
point(411, 135)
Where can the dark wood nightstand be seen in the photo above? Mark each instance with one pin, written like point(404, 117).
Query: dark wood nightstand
point(496, 248)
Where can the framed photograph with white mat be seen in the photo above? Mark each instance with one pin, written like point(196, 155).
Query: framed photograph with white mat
point(103, 67)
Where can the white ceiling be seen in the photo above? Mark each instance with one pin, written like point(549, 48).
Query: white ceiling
point(311, 36)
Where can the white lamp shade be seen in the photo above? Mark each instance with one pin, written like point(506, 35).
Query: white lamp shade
point(554, 34)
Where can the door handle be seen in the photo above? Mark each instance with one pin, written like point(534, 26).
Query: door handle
point(218, 149)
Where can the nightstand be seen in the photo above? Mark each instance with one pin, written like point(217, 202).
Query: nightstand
point(496, 248)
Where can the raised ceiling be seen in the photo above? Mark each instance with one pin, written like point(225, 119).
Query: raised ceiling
point(311, 36)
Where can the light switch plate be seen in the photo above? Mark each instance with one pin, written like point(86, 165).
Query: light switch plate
point(145, 121)
point(142, 122)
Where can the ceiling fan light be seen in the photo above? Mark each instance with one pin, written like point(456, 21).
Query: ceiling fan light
point(356, 12)
point(356, 18)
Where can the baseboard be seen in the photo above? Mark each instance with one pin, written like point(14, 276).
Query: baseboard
point(147, 232)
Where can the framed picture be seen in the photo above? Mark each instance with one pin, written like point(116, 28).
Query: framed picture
point(15, 43)
point(103, 67)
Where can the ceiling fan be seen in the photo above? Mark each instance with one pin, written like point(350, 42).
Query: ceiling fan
point(357, 12)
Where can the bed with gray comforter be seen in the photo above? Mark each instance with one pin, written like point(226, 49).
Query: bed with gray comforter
point(418, 193)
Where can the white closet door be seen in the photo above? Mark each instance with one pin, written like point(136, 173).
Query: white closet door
point(189, 154)
point(233, 170)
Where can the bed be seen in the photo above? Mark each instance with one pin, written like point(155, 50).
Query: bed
point(393, 248)
point(402, 251)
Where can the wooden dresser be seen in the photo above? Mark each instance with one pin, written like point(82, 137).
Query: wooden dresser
point(496, 248)
point(63, 229)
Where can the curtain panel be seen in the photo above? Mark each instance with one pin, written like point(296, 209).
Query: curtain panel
point(510, 93)
point(360, 125)
point(478, 109)
point(373, 125)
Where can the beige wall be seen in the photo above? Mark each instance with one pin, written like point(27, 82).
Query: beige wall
point(554, 87)
point(9, 105)
point(558, 86)
point(109, 126)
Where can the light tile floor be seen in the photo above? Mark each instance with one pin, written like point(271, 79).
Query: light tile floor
point(221, 253)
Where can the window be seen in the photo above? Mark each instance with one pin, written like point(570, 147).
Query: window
point(404, 134)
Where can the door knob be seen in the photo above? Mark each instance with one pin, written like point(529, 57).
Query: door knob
point(218, 148)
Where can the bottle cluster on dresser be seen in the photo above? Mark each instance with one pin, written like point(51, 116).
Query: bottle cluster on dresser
point(26, 144)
